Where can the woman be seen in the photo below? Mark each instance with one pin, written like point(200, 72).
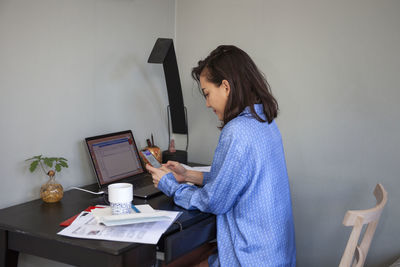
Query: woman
point(247, 187)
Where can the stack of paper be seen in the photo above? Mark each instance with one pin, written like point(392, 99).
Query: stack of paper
point(144, 227)
point(147, 214)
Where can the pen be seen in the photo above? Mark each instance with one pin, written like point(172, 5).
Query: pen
point(135, 209)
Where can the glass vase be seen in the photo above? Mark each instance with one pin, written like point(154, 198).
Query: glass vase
point(51, 191)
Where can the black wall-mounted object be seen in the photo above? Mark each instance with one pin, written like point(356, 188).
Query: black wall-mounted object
point(164, 52)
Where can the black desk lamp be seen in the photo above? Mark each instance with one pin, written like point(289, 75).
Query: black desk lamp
point(164, 52)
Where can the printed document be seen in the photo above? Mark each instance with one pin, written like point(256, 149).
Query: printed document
point(87, 226)
point(200, 168)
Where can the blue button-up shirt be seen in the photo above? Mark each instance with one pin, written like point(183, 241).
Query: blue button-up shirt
point(248, 189)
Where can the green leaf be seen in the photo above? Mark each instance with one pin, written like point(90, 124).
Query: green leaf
point(58, 167)
point(33, 166)
point(62, 159)
point(48, 161)
point(63, 163)
point(35, 157)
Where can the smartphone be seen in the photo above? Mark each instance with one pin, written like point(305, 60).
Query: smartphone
point(149, 158)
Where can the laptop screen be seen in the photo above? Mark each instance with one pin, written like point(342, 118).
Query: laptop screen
point(114, 156)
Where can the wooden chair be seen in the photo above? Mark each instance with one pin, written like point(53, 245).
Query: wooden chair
point(357, 218)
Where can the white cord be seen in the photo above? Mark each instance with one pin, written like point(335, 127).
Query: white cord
point(91, 192)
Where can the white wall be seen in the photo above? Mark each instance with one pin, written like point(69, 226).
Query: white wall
point(73, 69)
point(334, 68)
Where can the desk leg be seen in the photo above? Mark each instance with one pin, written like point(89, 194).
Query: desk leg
point(8, 257)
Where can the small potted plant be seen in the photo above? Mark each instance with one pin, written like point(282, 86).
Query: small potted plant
point(51, 191)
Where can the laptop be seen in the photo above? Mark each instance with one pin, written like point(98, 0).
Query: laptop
point(115, 159)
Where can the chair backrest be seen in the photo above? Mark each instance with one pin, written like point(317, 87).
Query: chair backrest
point(357, 218)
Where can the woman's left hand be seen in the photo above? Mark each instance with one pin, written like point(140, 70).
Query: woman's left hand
point(157, 173)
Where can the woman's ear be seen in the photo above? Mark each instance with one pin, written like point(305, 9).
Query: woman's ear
point(226, 86)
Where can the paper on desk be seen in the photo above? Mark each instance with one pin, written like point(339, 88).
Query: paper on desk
point(146, 215)
point(86, 226)
point(200, 169)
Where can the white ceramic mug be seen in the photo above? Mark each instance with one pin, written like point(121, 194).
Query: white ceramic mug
point(120, 196)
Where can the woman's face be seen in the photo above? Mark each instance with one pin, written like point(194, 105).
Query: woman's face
point(216, 96)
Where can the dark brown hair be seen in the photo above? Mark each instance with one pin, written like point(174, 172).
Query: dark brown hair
point(248, 85)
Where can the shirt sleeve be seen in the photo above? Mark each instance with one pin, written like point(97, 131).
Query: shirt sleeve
point(228, 177)
point(206, 177)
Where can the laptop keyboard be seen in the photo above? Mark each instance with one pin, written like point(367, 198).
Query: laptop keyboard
point(140, 183)
point(146, 180)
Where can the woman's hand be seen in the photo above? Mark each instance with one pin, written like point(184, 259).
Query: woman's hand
point(178, 170)
point(157, 173)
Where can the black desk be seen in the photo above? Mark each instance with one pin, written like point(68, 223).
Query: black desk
point(32, 228)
